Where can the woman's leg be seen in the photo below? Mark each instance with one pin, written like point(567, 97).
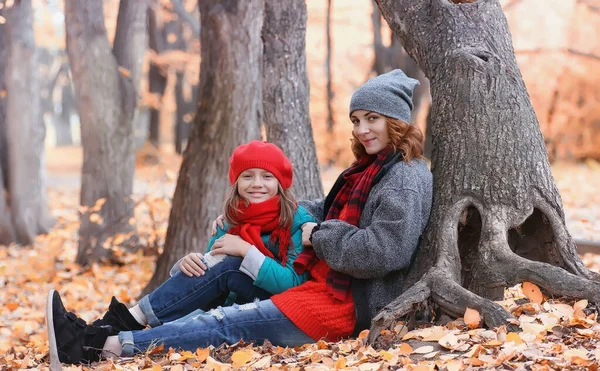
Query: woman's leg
point(181, 294)
point(254, 321)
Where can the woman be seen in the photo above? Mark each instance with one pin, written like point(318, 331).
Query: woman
point(367, 230)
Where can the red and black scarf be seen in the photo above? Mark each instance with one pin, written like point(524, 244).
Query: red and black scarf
point(347, 205)
point(260, 218)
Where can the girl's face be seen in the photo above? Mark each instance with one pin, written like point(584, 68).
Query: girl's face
point(257, 185)
point(371, 130)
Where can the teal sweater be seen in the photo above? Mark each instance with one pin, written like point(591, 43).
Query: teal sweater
point(268, 273)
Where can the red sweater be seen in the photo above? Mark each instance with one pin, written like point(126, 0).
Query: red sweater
point(312, 308)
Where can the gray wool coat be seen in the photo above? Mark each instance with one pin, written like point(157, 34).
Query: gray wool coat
point(377, 253)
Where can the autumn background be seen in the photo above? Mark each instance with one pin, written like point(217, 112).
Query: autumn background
point(556, 43)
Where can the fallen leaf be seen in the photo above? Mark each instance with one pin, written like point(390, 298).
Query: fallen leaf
point(514, 337)
point(241, 357)
point(405, 349)
point(424, 349)
point(472, 318)
point(580, 305)
point(533, 292)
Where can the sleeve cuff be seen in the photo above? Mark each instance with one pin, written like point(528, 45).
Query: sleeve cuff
point(175, 268)
point(252, 262)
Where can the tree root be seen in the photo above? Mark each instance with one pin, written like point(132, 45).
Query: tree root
point(493, 265)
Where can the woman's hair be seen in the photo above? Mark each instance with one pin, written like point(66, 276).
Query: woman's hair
point(405, 137)
point(287, 204)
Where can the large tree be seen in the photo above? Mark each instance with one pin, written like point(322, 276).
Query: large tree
point(6, 229)
point(23, 130)
point(497, 217)
point(229, 114)
point(106, 82)
point(286, 92)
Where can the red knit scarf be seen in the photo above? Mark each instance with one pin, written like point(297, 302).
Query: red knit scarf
point(353, 196)
point(260, 218)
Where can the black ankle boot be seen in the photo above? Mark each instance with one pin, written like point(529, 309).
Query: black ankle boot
point(119, 318)
point(71, 340)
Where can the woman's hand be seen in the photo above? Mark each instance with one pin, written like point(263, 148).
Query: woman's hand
point(192, 265)
point(307, 229)
point(215, 223)
point(231, 245)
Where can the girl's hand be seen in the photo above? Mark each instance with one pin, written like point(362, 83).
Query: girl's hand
point(192, 265)
point(215, 223)
point(307, 229)
point(231, 245)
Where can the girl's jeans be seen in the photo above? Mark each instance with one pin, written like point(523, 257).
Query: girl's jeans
point(171, 305)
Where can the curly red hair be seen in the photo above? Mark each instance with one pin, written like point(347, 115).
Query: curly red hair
point(404, 137)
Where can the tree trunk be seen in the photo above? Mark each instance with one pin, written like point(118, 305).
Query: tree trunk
point(106, 84)
point(186, 105)
point(6, 228)
point(286, 92)
point(497, 217)
point(157, 81)
point(64, 136)
point(229, 114)
point(330, 117)
point(25, 128)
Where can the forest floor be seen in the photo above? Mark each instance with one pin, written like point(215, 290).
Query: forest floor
point(556, 333)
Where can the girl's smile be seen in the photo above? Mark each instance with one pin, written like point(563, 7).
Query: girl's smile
point(257, 185)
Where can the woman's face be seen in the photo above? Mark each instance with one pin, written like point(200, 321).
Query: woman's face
point(257, 185)
point(371, 130)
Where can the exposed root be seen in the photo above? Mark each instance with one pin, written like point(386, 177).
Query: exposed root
point(454, 300)
point(565, 245)
point(555, 280)
point(400, 307)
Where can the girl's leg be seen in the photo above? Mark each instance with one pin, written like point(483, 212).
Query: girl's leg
point(181, 294)
point(254, 321)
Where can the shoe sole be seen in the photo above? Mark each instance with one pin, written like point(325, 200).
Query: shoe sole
point(55, 364)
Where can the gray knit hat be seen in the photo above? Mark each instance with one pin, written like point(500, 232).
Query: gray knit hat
point(389, 94)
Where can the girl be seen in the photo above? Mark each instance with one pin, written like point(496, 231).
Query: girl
point(251, 257)
point(368, 228)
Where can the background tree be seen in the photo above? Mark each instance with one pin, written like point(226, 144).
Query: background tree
point(229, 113)
point(286, 92)
point(497, 218)
point(6, 229)
point(106, 83)
point(25, 130)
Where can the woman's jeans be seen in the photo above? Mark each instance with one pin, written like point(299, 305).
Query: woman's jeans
point(169, 311)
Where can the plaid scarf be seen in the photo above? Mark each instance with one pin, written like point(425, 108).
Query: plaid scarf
point(347, 205)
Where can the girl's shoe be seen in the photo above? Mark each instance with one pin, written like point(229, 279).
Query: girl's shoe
point(71, 340)
point(119, 318)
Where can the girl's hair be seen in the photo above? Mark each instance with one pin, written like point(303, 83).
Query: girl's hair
point(405, 137)
point(287, 204)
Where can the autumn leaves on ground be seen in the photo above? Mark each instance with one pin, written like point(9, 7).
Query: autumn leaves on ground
point(554, 332)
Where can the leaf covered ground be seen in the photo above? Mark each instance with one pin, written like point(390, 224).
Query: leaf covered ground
point(554, 333)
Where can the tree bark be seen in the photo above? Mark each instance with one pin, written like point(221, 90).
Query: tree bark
point(25, 128)
point(330, 116)
point(185, 110)
point(286, 92)
point(6, 229)
point(497, 217)
point(229, 114)
point(106, 84)
point(157, 81)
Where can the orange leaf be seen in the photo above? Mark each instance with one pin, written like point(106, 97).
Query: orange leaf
point(12, 306)
point(533, 292)
point(472, 318)
point(405, 349)
point(241, 357)
point(158, 349)
point(514, 337)
point(340, 363)
point(202, 354)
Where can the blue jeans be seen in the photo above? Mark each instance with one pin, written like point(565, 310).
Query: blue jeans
point(181, 295)
point(255, 321)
